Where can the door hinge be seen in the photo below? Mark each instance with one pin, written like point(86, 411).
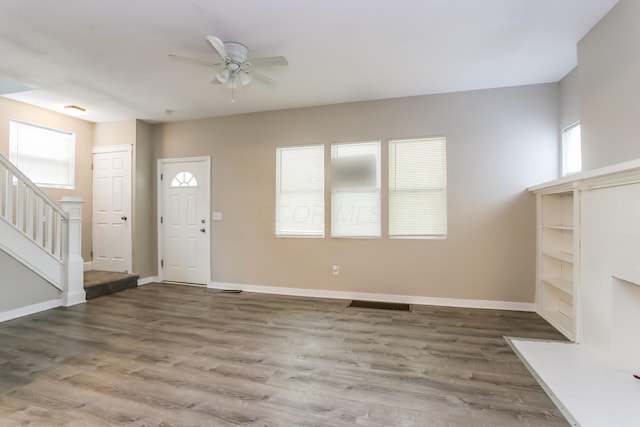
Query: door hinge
point(161, 220)
point(161, 176)
point(91, 166)
point(161, 263)
point(91, 254)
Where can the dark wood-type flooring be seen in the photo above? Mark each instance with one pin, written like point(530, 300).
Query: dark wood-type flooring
point(168, 355)
point(100, 283)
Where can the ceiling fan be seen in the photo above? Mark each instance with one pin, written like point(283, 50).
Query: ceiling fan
point(235, 69)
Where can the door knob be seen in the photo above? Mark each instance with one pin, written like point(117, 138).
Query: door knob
point(124, 218)
point(203, 230)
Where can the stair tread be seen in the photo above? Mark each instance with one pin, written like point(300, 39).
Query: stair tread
point(101, 283)
point(96, 277)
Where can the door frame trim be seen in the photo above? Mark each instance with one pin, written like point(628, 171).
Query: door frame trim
point(117, 148)
point(160, 200)
point(111, 148)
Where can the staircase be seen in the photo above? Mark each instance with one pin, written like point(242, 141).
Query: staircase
point(40, 234)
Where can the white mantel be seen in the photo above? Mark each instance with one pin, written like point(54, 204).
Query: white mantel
point(609, 176)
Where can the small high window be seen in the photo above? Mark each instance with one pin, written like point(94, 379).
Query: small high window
point(184, 179)
point(571, 150)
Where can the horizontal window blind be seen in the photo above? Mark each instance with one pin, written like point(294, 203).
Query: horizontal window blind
point(46, 156)
point(355, 189)
point(300, 191)
point(417, 188)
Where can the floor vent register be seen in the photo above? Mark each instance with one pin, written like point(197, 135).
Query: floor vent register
point(380, 305)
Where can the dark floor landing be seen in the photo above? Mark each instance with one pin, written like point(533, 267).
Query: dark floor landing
point(99, 283)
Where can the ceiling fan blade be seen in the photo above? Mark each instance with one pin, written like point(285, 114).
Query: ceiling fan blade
point(196, 61)
point(273, 61)
point(218, 45)
point(215, 81)
point(263, 79)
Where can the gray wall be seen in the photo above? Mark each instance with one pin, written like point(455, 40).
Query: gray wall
point(499, 142)
point(569, 107)
point(20, 286)
point(569, 99)
point(144, 260)
point(609, 68)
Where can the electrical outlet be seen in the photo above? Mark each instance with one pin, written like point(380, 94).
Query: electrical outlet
point(335, 270)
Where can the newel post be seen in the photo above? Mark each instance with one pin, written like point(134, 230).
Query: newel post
point(72, 252)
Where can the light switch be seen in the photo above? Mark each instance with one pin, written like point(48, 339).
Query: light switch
point(217, 216)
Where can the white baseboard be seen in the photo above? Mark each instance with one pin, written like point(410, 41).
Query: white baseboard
point(406, 299)
point(88, 266)
point(147, 280)
point(30, 309)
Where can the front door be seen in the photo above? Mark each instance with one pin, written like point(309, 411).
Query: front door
point(112, 208)
point(184, 229)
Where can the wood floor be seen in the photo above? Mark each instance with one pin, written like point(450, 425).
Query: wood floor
point(169, 355)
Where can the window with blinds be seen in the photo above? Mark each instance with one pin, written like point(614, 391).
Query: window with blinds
point(46, 156)
point(300, 191)
point(355, 189)
point(417, 188)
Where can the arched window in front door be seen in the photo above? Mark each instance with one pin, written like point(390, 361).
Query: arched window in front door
point(184, 179)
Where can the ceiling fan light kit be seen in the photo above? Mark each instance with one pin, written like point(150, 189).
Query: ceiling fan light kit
point(223, 75)
point(245, 77)
point(236, 69)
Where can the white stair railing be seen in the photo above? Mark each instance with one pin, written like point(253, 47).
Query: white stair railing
point(30, 210)
point(37, 231)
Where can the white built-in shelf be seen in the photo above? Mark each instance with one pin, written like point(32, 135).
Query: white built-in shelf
point(558, 227)
point(560, 256)
point(560, 321)
point(557, 272)
point(564, 285)
point(602, 314)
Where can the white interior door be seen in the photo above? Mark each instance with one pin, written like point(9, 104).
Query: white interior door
point(112, 208)
point(184, 206)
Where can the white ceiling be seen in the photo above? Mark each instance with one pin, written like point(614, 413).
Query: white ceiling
point(111, 57)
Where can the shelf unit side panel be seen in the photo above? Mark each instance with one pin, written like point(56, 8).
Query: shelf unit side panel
point(538, 253)
point(577, 209)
